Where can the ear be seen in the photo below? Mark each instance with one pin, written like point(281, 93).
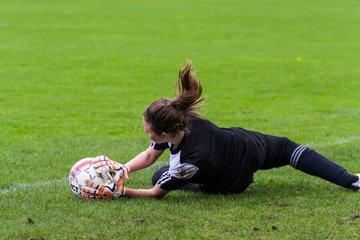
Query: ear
point(163, 135)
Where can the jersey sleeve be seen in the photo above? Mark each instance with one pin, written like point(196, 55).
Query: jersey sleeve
point(159, 146)
point(177, 177)
point(169, 183)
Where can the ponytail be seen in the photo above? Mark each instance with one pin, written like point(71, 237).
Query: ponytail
point(187, 91)
point(171, 115)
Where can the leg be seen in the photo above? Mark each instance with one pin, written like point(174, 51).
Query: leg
point(311, 162)
point(189, 187)
point(282, 151)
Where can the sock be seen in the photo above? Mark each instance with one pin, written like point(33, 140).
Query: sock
point(356, 185)
point(310, 162)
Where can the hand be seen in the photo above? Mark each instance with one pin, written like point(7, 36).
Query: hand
point(109, 169)
point(94, 190)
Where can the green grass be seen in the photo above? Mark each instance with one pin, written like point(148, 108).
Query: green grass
point(75, 77)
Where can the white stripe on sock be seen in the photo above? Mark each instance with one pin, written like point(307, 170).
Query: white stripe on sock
point(298, 156)
point(295, 156)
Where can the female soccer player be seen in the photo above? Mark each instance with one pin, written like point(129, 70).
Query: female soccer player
point(205, 157)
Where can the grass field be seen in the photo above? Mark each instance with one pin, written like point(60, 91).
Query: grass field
point(75, 77)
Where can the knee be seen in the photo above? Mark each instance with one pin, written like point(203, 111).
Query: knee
point(156, 176)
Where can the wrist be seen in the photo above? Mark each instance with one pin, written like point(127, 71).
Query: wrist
point(127, 168)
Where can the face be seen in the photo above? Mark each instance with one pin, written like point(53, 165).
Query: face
point(152, 135)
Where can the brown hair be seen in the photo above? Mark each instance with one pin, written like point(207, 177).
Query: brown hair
point(171, 115)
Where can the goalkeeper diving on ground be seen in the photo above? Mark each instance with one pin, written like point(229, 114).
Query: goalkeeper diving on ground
point(205, 157)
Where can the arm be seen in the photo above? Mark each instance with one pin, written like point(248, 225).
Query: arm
point(155, 192)
point(144, 159)
point(114, 190)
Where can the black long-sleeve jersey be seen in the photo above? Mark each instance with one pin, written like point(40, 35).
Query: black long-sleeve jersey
point(222, 159)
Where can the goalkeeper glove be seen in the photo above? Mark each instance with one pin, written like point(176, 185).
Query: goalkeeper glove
point(110, 170)
point(94, 190)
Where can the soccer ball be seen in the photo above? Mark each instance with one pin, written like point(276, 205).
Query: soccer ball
point(82, 171)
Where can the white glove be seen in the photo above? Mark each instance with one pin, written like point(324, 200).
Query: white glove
point(110, 170)
point(94, 190)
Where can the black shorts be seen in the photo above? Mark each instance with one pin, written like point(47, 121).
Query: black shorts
point(278, 151)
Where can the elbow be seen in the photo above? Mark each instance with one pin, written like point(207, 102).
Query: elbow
point(158, 192)
point(159, 196)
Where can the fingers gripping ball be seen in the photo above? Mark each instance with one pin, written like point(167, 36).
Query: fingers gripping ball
point(83, 173)
point(109, 169)
point(93, 190)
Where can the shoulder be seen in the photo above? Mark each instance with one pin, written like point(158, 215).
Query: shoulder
point(203, 124)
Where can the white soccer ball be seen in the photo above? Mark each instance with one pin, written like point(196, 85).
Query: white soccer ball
point(82, 171)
